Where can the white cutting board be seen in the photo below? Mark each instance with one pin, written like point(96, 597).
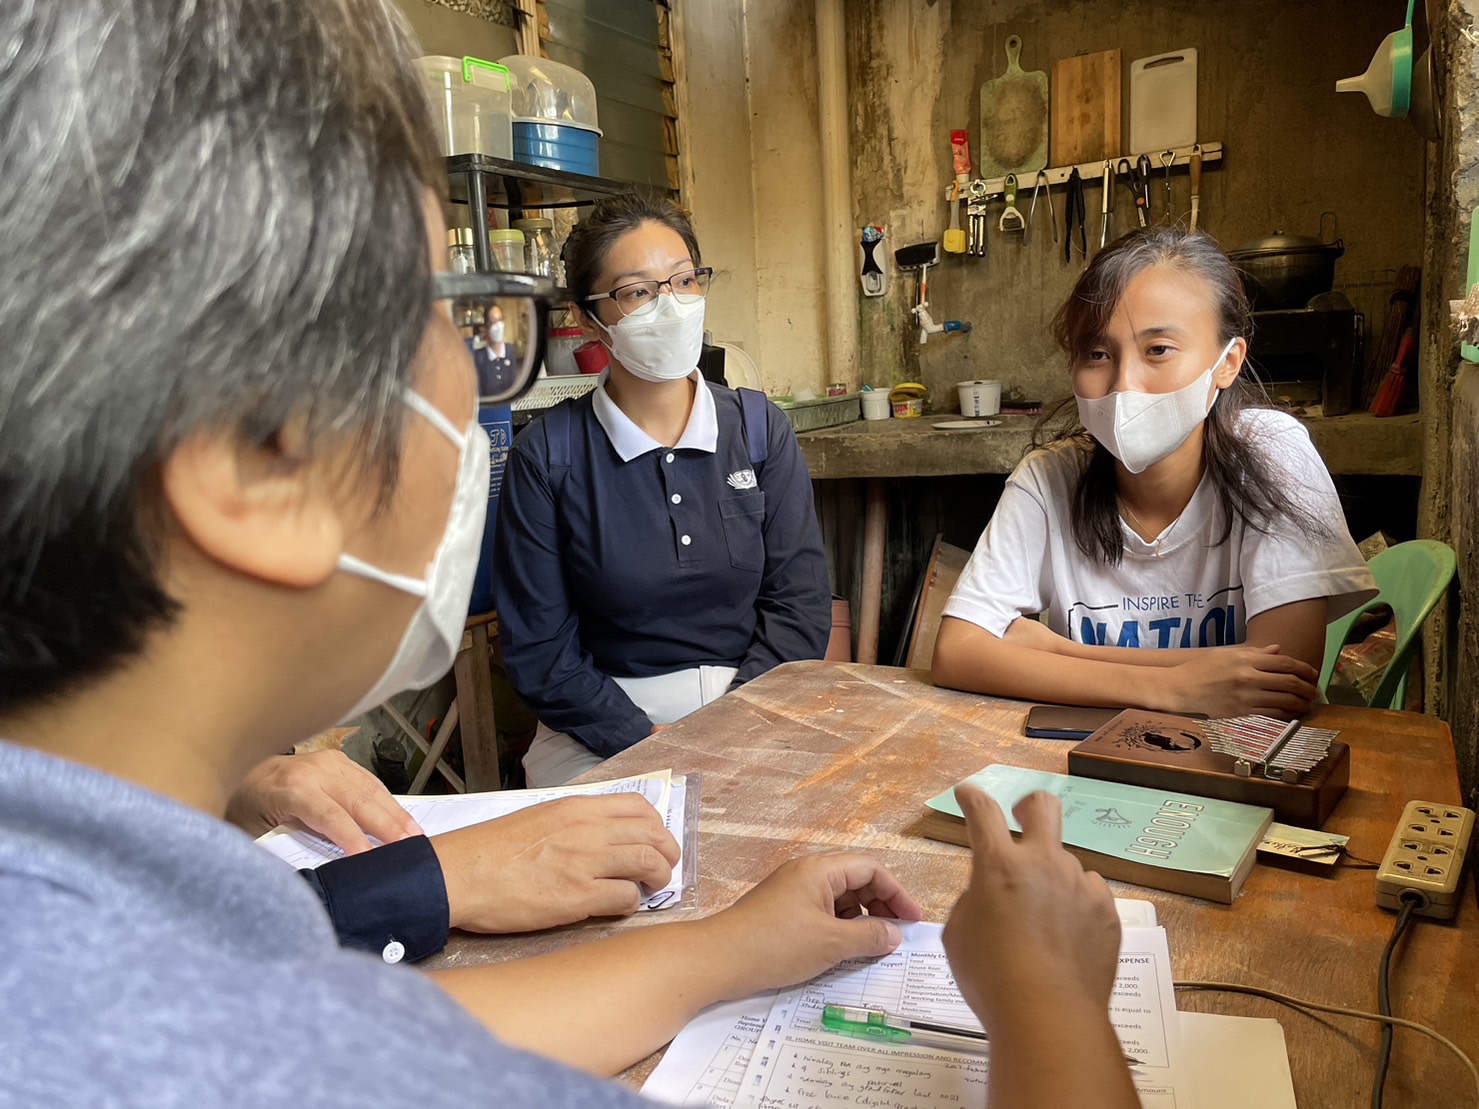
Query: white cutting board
point(1163, 102)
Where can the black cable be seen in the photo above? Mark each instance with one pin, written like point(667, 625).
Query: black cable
point(1410, 901)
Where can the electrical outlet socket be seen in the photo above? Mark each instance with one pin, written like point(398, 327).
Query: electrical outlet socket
point(1427, 856)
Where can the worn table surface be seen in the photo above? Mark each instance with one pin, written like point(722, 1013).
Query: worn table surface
point(1359, 443)
point(817, 756)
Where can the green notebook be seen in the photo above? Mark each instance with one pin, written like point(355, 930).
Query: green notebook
point(1171, 841)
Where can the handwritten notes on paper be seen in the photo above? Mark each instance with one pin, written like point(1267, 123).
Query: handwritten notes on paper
point(735, 1058)
point(666, 793)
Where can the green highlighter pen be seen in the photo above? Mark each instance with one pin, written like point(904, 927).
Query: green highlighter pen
point(876, 1024)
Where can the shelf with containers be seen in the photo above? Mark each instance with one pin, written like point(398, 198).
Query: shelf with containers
point(521, 137)
point(482, 182)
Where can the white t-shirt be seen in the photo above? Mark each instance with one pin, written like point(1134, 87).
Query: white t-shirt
point(1188, 592)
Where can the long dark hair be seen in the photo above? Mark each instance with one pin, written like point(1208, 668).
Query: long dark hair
point(1249, 489)
point(585, 248)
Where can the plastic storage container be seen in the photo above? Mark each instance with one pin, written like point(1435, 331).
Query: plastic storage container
point(470, 101)
point(554, 115)
point(539, 244)
point(460, 257)
point(507, 248)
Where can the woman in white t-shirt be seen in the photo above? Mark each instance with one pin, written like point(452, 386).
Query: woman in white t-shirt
point(1177, 514)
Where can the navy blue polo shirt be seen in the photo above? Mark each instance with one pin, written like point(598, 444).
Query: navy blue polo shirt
point(639, 560)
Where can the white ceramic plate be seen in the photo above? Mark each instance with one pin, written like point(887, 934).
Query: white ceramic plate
point(965, 425)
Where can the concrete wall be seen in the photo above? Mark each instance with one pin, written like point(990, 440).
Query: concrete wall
point(1462, 708)
point(456, 34)
point(1266, 76)
point(753, 182)
point(1450, 396)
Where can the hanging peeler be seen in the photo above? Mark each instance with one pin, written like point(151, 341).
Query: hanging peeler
point(1011, 222)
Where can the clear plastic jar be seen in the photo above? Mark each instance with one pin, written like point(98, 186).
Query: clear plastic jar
point(460, 257)
point(539, 245)
point(507, 248)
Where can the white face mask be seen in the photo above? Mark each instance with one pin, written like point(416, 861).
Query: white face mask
point(430, 642)
point(662, 345)
point(495, 332)
point(1140, 429)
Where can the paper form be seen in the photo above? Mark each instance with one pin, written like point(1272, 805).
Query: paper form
point(301, 848)
point(797, 1063)
point(704, 1064)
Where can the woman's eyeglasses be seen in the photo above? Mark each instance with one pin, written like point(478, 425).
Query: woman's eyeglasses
point(524, 301)
point(640, 297)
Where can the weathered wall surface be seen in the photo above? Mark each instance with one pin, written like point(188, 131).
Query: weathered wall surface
point(457, 34)
point(1462, 707)
point(753, 185)
point(719, 188)
point(1267, 72)
point(1450, 397)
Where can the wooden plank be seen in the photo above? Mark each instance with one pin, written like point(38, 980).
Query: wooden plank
point(1358, 443)
point(875, 533)
point(475, 708)
point(1085, 108)
point(816, 756)
point(946, 563)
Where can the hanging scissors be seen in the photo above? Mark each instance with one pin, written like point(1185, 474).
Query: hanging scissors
point(1142, 184)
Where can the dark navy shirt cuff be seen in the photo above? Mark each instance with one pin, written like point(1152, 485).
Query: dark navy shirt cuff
point(391, 901)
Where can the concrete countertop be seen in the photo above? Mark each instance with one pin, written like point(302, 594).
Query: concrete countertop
point(1359, 443)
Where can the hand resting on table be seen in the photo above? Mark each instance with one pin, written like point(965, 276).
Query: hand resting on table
point(550, 864)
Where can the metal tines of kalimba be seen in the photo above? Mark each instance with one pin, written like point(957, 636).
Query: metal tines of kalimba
point(1282, 751)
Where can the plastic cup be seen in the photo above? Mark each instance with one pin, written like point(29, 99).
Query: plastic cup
point(591, 358)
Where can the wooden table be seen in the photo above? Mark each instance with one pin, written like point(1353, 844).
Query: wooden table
point(816, 756)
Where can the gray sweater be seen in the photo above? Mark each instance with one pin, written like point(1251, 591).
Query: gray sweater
point(156, 957)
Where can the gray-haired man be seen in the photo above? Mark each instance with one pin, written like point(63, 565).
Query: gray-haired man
point(251, 515)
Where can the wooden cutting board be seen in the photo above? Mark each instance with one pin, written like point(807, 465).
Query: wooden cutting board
point(1086, 108)
point(1014, 119)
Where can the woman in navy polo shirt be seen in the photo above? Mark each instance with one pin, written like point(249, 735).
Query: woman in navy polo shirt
point(657, 543)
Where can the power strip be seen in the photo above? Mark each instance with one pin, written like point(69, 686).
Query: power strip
point(1426, 857)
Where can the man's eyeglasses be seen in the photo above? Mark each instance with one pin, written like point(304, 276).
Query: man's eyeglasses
point(640, 297)
point(525, 303)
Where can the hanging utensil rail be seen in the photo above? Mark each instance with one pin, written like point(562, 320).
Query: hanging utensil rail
point(991, 187)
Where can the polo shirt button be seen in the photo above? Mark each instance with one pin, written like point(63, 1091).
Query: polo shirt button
point(686, 540)
point(669, 457)
point(394, 952)
point(677, 499)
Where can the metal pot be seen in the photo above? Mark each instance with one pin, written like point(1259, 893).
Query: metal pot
point(1285, 271)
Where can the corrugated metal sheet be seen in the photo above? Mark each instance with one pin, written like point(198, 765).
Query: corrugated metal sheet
point(616, 44)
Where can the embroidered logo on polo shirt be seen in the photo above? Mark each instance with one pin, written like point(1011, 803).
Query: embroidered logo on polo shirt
point(741, 479)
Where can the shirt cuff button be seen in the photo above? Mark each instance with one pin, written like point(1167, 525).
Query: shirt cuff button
point(394, 952)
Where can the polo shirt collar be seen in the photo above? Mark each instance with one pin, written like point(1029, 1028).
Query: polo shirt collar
point(629, 441)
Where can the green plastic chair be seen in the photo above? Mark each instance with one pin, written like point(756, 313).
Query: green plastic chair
point(1411, 578)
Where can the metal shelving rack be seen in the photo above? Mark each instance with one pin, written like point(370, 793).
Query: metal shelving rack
point(482, 182)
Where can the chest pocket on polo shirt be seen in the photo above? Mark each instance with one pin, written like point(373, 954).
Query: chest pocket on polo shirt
point(744, 521)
